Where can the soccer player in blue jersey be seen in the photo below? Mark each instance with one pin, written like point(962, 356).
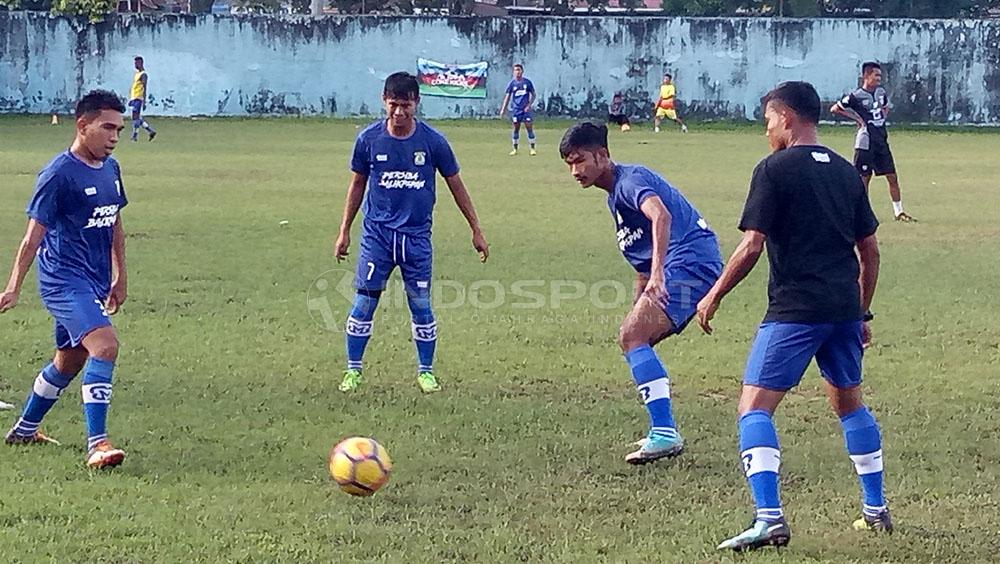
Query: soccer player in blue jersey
point(520, 96)
point(675, 255)
point(809, 208)
point(397, 160)
point(75, 228)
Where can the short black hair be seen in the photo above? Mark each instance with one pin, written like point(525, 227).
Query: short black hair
point(869, 66)
point(586, 135)
point(668, 75)
point(798, 96)
point(518, 66)
point(402, 86)
point(99, 100)
point(138, 58)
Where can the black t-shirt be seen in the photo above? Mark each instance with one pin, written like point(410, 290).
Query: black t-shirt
point(813, 208)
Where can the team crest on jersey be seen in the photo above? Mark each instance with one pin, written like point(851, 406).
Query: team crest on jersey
point(419, 158)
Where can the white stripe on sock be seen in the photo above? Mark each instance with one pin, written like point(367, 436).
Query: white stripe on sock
point(867, 463)
point(761, 459)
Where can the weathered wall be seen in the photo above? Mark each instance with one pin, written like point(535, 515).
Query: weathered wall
point(944, 71)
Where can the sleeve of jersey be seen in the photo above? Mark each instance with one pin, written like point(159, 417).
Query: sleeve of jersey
point(761, 208)
point(849, 102)
point(44, 204)
point(361, 161)
point(635, 192)
point(865, 222)
point(510, 87)
point(531, 86)
point(444, 158)
point(121, 185)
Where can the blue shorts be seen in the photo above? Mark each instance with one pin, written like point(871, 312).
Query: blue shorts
point(382, 250)
point(782, 351)
point(77, 312)
point(136, 106)
point(687, 284)
point(522, 117)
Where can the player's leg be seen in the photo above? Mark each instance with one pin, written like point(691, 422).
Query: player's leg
point(677, 119)
point(778, 358)
point(839, 361)
point(657, 118)
point(529, 125)
point(136, 106)
point(515, 136)
point(47, 387)
point(863, 163)
point(98, 377)
point(894, 193)
point(375, 264)
point(416, 268)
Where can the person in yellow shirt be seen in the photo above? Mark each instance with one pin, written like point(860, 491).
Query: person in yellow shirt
point(137, 100)
point(666, 104)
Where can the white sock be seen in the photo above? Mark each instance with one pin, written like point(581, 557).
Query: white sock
point(897, 207)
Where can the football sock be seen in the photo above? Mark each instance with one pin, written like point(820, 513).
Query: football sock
point(48, 386)
point(654, 386)
point(97, 398)
point(531, 138)
point(424, 330)
point(147, 127)
point(761, 460)
point(136, 124)
point(514, 138)
point(359, 328)
point(897, 207)
point(864, 445)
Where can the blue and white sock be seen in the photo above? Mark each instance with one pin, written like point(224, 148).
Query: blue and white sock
point(359, 328)
point(654, 386)
point(864, 445)
point(761, 461)
point(97, 379)
point(514, 138)
point(47, 388)
point(147, 127)
point(424, 330)
point(531, 138)
point(136, 124)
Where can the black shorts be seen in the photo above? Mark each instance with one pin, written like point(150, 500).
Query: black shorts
point(876, 160)
point(620, 119)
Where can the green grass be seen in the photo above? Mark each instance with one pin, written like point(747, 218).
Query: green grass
point(226, 394)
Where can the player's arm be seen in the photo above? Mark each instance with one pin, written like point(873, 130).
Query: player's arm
point(119, 279)
point(740, 264)
point(653, 208)
point(839, 108)
point(355, 195)
point(868, 254)
point(145, 89)
point(503, 105)
point(641, 280)
point(22, 263)
point(464, 202)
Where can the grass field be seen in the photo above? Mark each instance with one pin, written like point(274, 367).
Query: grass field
point(226, 395)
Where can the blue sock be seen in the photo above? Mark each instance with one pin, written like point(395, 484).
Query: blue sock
point(97, 398)
point(864, 445)
point(136, 124)
point(48, 386)
point(147, 127)
point(531, 138)
point(514, 138)
point(359, 329)
point(761, 461)
point(424, 329)
point(654, 386)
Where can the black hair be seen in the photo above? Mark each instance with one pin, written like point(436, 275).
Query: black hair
point(668, 75)
point(402, 86)
point(138, 58)
point(518, 66)
point(98, 100)
point(586, 135)
point(869, 66)
point(798, 96)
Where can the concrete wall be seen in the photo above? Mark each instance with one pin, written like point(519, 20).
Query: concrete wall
point(941, 71)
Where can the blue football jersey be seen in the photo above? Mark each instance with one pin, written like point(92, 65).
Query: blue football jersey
point(520, 93)
point(78, 205)
point(691, 239)
point(401, 176)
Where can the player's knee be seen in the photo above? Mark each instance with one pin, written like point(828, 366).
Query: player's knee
point(629, 338)
point(103, 346)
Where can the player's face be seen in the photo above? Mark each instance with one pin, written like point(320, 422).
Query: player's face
point(400, 110)
point(587, 166)
point(98, 132)
point(873, 79)
point(518, 73)
point(776, 117)
point(138, 64)
point(667, 80)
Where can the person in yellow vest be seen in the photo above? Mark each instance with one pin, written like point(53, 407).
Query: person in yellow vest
point(666, 104)
point(137, 100)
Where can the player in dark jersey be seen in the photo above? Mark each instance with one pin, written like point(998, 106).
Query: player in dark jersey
point(869, 106)
point(395, 164)
point(75, 229)
point(810, 209)
point(676, 258)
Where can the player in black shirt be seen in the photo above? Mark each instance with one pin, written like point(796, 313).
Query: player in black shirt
point(809, 208)
point(869, 106)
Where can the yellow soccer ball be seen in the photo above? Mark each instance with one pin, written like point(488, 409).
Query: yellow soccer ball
point(360, 466)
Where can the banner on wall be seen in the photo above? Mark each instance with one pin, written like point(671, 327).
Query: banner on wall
point(452, 81)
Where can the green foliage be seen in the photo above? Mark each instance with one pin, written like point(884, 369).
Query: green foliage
point(93, 10)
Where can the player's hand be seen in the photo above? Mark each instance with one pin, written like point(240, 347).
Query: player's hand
point(866, 334)
point(705, 312)
point(481, 245)
point(340, 247)
point(8, 300)
point(501, 113)
point(656, 288)
point(118, 295)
